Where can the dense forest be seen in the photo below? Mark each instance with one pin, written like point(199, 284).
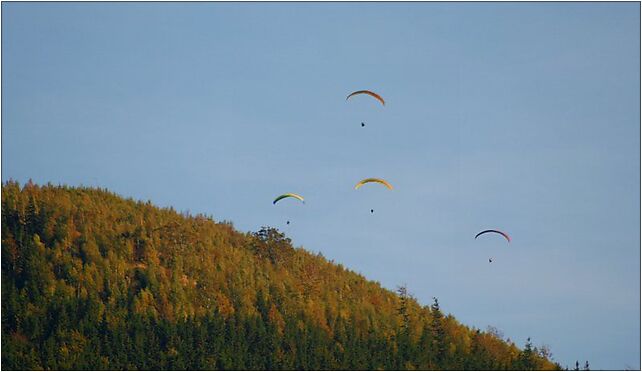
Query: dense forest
point(91, 280)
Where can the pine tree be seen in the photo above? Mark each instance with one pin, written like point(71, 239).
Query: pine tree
point(526, 357)
point(402, 310)
point(438, 334)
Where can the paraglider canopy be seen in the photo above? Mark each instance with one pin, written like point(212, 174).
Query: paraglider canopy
point(496, 232)
point(376, 180)
point(288, 195)
point(370, 93)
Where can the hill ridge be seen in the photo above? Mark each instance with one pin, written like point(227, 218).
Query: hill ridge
point(93, 280)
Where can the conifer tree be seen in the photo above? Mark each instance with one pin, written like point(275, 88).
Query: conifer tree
point(438, 333)
point(402, 310)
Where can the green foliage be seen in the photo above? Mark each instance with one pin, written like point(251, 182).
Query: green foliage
point(94, 281)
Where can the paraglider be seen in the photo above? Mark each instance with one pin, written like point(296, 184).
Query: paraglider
point(288, 195)
point(375, 180)
point(496, 232)
point(369, 180)
point(373, 94)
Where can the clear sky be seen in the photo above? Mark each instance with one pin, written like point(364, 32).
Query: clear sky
point(522, 117)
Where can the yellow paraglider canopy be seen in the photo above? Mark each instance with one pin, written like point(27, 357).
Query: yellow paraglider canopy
point(377, 180)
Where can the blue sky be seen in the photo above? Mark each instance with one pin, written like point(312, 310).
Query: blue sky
point(518, 116)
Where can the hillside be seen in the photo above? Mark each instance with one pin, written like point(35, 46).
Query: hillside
point(94, 281)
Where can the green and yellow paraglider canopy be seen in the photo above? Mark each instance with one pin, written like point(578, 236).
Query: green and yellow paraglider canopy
point(376, 180)
point(370, 93)
point(288, 195)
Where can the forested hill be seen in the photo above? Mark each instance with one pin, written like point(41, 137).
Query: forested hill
point(94, 281)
